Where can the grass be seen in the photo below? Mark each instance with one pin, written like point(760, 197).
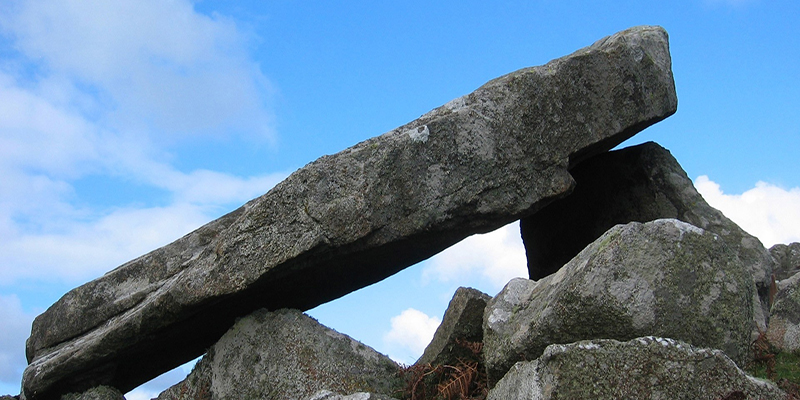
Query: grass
point(780, 367)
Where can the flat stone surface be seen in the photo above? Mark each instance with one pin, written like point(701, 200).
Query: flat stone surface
point(351, 219)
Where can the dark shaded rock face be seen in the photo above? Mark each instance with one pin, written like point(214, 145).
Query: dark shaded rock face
point(787, 260)
point(351, 219)
point(285, 355)
point(636, 184)
point(462, 321)
point(643, 368)
point(640, 183)
point(664, 278)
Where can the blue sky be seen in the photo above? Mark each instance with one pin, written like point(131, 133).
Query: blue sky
point(126, 124)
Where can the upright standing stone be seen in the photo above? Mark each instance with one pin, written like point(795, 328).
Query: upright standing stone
point(351, 219)
point(636, 184)
point(462, 324)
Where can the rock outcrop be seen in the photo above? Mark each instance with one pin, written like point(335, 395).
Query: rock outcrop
point(285, 355)
point(96, 393)
point(663, 278)
point(787, 260)
point(640, 183)
point(784, 321)
point(356, 217)
point(462, 324)
point(643, 368)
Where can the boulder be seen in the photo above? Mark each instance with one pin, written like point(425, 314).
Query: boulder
point(643, 368)
point(640, 183)
point(664, 278)
point(787, 260)
point(462, 324)
point(351, 219)
point(784, 321)
point(96, 393)
point(285, 355)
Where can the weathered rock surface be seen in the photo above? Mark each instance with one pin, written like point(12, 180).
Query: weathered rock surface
point(663, 278)
point(351, 219)
point(328, 395)
point(285, 355)
point(96, 393)
point(196, 386)
point(787, 260)
point(462, 321)
point(640, 183)
point(784, 322)
point(643, 368)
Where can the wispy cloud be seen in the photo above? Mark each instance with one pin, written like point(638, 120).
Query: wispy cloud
point(100, 88)
point(769, 212)
point(142, 64)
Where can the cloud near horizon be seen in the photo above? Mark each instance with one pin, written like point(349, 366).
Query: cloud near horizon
point(411, 332)
point(768, 212)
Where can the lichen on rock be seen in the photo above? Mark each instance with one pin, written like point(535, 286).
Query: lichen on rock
point(664, 278)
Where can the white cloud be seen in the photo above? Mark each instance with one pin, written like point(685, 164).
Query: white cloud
point(766, 211)
point(94, 89)
point(84, 250)
point(496, 257)
point(411, 332)
point(153, 64)
point(16, 327)
point(101, 89)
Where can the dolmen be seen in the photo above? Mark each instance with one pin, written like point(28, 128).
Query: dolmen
point(345, 221)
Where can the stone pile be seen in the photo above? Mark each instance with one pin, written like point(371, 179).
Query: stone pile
point(351, 219)
point(633, 269)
